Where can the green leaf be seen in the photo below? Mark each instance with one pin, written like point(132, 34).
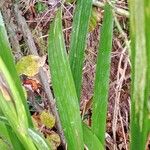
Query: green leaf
point(63, 85)
point(70, 1)
point(5, 52)
point(101, 85)
point(94, 19)
point(15, 108)
point(40, 7)
point(16, 143)
point(18, 127)
point(140, 83)
point(4, 145)
point(4, 133)
point(9, 136)
point(8, 109)
point(90, 139)
point(4, 120)
point(147, 33)
point(78, 40)
point(38, 140)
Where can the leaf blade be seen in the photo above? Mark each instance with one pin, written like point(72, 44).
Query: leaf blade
point(90, 139)
point(101, 85)
point(78, 40)
point(38, 140)
point(63, 85)
point(140, 57)
point(5, 52)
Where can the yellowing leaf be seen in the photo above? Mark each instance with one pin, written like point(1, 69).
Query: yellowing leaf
point(47, 119)
point(54, 140)
point(95, 18)
point(29, 65)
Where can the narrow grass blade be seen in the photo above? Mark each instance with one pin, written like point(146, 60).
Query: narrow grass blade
point(19, 129)
point(101, 87)
point(9, 111)
point(7, 132)
point(147, 32)
point(9, 136)
point(4, 133)
point(140, 80)
point(4, 120)
point(16, 143)
point(39, 140)
point(90, 139)
point(78, 40)
point(63, 85)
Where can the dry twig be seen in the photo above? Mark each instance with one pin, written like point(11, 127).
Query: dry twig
point(11, 31)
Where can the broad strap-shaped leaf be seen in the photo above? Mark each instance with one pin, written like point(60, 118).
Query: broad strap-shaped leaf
point(90, 139)
point(4, 135)
point(63, 85)
point(140, 59)
point(147, 32)
point(78, 40)
point(8, 135)
point(16, 143)
point(101, 86)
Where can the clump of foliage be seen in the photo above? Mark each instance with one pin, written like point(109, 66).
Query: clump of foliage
point(18, 131)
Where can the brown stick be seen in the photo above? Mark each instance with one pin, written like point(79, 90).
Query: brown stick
point(11, 31)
